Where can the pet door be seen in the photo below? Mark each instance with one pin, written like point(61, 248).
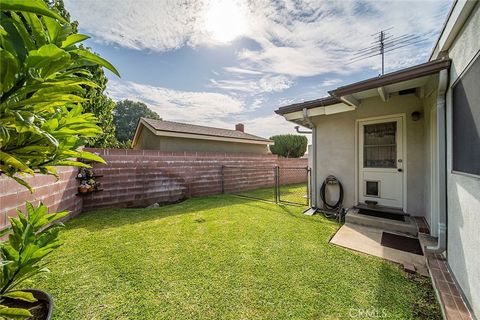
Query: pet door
point(372, 188)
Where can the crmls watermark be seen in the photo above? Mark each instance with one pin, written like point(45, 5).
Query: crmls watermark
point(367, 313)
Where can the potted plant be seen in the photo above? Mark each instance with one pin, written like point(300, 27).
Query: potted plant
point(92, 183)
point(32, 236)
point(84, 187)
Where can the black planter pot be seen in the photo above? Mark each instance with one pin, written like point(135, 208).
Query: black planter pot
point(41, 310)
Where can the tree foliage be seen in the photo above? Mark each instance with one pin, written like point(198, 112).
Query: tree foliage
point(289, 145)
point(98, 102)
point(126, 117)
point(102, 107)
point(44, 78)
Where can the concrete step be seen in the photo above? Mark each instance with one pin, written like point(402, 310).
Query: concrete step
point(408, 226)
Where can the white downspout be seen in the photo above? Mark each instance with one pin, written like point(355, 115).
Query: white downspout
point(441, 155)
point(313, 173)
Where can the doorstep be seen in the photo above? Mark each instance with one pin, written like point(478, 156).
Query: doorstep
point(368, 240)
point(451, 300)
point(407, 227)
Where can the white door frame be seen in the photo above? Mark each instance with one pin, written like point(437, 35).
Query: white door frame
point(404, 147)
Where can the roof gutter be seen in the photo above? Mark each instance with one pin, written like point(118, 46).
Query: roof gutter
point(302, 131)
point(441, 188)
point(425, 69)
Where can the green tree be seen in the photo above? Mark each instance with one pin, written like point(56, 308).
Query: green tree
point(289, 145)
point(98, 102)
point(59, 7)
point(126, 116)
point(102, 107)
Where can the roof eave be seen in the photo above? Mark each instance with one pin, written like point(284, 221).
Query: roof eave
point(199, 136)
point(344, 95)
point(418, 71)
point(323, 102)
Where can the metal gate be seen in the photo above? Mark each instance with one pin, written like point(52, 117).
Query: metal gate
point(294, 185)
point(275, 184)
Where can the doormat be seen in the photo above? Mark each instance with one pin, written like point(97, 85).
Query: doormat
point(403, 243)
point(381, 214)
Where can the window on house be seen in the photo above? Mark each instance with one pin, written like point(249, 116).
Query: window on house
point(466, 121)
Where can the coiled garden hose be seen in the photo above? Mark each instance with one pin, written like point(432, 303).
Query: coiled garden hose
point(332, 210)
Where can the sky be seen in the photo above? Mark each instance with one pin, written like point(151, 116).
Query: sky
point(222, 62)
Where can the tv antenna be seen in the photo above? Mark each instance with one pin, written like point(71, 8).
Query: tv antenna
point(385, 42)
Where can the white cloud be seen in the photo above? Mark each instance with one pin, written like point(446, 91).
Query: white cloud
point(295, 38)
point(330, 82)
point(275, 83)
point(269, 83)
point(315, 37)
point(202, 108)
point(270, 125)
point(241, 71)
point(186, 106)
point(247, 86)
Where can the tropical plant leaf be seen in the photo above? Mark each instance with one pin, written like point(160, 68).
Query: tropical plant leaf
point(44, 79)
point(5, 231)
point(23, 183)
point(72, 163)
point(73, 39)
point(20, 295)
point(90, 156)
point(33, 6)
point(87, 55)
point(10, 160)
point(14, 313)
point(8, 70)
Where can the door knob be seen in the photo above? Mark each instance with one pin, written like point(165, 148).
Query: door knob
point(399, 169)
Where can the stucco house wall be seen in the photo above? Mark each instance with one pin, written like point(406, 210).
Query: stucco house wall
point(463, 192)
point(147, 140)
point(335, 136)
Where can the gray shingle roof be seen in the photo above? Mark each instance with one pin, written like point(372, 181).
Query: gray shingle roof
point(171, 126)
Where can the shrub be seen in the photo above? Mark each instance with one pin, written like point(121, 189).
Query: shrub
point(289, 145)
point(44, 76)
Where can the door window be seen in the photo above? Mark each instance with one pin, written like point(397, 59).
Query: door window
point(380, 145)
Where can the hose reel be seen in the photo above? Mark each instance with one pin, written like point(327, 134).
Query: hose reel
point(332, 210)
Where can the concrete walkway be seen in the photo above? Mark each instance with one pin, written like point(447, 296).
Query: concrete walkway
point(367, 240)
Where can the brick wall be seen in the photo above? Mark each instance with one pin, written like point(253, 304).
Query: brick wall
point(57, 195)
point(141, 177)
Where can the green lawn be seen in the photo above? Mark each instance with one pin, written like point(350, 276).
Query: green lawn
point(294, 193)
point(222, 257)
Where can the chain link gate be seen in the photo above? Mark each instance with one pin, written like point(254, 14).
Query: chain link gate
point(274, 184)
point(293, 185)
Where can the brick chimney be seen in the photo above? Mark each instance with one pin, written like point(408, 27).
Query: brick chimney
point(240, 127)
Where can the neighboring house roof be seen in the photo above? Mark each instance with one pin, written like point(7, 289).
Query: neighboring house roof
point(185, 130)
point(337, 95)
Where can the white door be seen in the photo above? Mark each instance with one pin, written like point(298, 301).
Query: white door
point(381, 162)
